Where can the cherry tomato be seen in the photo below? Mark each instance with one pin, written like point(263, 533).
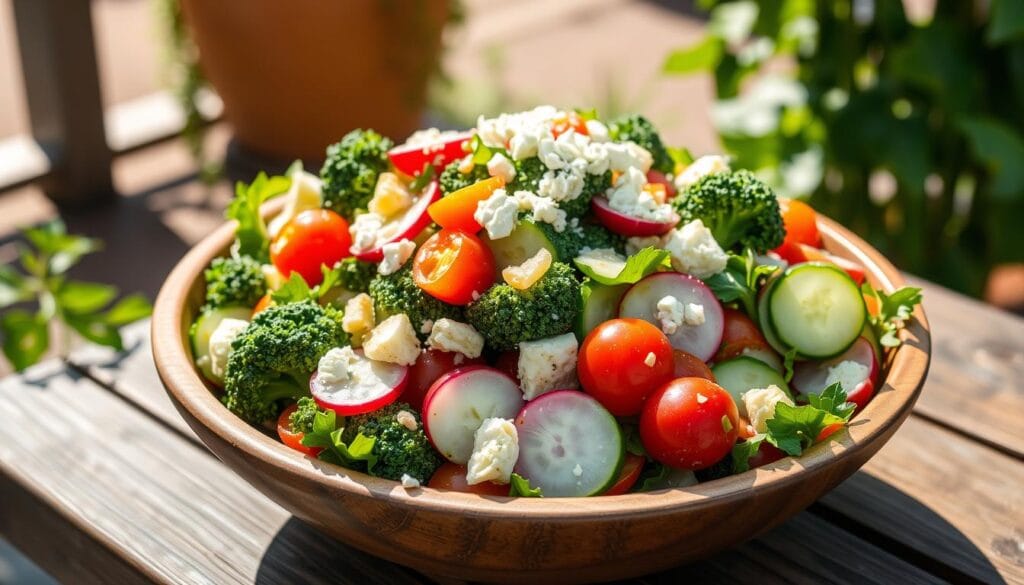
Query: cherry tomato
point(689, 423)
point(508, 362)
point(313, 238)
point(456, 210)
point(453, 266)
point(412, 159)
point(430, 366)
point(264, 302)
point(293, 438)
point(687, 365)
point(452, 476)
point(801, 223)
point(569, 121)
point(631, 469)
point(766, 453)
point(739, 333)
point(616, 367)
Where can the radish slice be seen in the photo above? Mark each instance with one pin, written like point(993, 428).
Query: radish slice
point(370, 385)
point(411, 158)
point(406, 227)
point(811, 377)
point(627, 225)
point(460, 400)
point(642, 298)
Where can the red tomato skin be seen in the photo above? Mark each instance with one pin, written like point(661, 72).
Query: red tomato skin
point(611, 364)
point(801, 223)
point(659, 177)
point(682, 424)
point(452, 476)
point(687, 365)
point(468, 274)
point(739, 333)
point(631, 469)
point(290, 438)
point(431, 365)
point(311, 239)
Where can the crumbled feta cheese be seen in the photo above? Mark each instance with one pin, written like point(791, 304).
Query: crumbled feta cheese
point(637, 243)
point(849, 374)
point(758, 405)
point(220, 344)
point(651, 359)
point(396, 254)
point(693, 314)
point(670, 313)
point(430, 137)
point(409, 482)
point(304, 194)
point(629, 197)
point(390, 196)
point(358, 318)
point(563, 185)
point(597, 130)
point(530, 271)
point(495, 451)
point(547, 364)
point(628, 155)
point(393, 341)
point(335, 366)
point(497, 214)
point(578, 470)
point(499, 166)
point(520, 131)
point(694, 250)
point(407, 420)
point(541, 209)
point(427, 326)
point(453, 336)
point(364, 231)
point(698, 169)
point(466, 164)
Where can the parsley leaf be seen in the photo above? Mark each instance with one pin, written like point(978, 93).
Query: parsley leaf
point(657, 476)
point(833, 401)
point(635, 267)
point(787, 363)
point(482, 153)
point(740, 281)
point(519, 487)
point(742, 452)
point(893, 311)
point(294, 290)
point(251, 237)
point(327, 435)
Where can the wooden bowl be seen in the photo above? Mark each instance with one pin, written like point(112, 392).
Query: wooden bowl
point(530, 540)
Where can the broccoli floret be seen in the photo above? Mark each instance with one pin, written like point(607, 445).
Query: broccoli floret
point(350, 172)
point(739, 209)
point(569, 242)
point(638, 129)
point(452, 179)
point(399, 449)
point(530, 171)
point(397, 293)
point(234, 282)
point(355, 275)
point(273, 358)
point(301, 419)
point(506, 316)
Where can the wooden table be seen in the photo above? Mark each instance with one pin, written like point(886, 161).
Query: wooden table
point(102, 482)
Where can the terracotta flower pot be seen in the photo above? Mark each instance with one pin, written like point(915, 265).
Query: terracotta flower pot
point(295, 76)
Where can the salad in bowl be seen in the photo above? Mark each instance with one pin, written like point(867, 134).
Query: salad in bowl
point(550, 305)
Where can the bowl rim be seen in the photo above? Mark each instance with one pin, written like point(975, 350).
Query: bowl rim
point(891, 404)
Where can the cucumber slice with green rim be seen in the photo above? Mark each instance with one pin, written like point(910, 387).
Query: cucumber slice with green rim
point(816, 309)
point(762, 318)
point(525, 240)
point(744, 373)
point(600, 304)
point(569, 445)
point(204, 327)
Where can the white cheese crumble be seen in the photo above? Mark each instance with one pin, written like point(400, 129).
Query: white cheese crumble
point(407, 420)
point(431, 137)
point(336, 366)
point(693, 314)
point(563, 185)
point(466, 164)
point(220, 344)
point(547, 364)
point(499, 166)
point(670, 313)
point(758, 405)
point(628, 197)
point(453, 336)
point(495, 452)
point(542, 209)
point(393, 341)
point(651, 359)
point(597, 130)
point(364, 231)
point(700, 168)
point(409, 482)
point(427, 326)
point(396, 254)
point(358, 318)
point(520, 131)
point(849, 374)
point(497, 214)
point(694, 250)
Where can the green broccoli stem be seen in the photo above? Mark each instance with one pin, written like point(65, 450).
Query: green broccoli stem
point(289, 386)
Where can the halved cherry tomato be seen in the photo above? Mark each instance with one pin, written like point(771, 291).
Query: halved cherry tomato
point(740, 333)
point(412, 159)
point(314, 238)
point(801, 223)
point(452, 476)
point(456, 210)
point(453, 266)
point(689, 423)
point(658, 178)
point(766, 453)
point(622, 361)
point(293, 438)
point(264, 302)
point(687, 365)
point(569, 121)
point(430, 366)
point(631, 469)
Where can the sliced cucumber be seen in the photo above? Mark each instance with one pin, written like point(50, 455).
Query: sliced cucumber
point(600, 304)
point(744, 373)
point(762, 318)
point(569, 445)
point(603, 262)
point(816, 309)
point(525, 240)
point(204, 327)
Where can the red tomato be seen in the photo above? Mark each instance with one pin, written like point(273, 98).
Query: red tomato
point(801, 223)
point(659, 178)
point(740, 333)
point(689, 423)
point(830, 430)
point(631, 469)
point(508, 362)
point(453, 266)
point(412, 159)
point(430, 366)
point(456, 210)
point(452, 476)
point(688, 365)
point(766, 453)
point(613, 364)
point(292, 438)
point(313, 238)
point(569, 121)
point(264, 302)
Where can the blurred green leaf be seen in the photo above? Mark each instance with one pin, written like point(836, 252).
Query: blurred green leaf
point(96, 329)
point(51, 239)
point(1001, 149)
point(130, 308)
point(84, 297)
point(251, 234)
point(939, 59)
point(25, 338)
point(701, 56)
point(1006, 22)
point(13, 287)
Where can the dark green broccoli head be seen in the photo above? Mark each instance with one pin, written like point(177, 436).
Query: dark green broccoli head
point(506, 316)
point(569, 242)
point(234, 282)
point(531, 170)
point(739, 209)
point(396, 293)
point(273, 357)
point(399, 449)
point(638, 129)
point(452, 179)
point(302, 417)
point(350, 172)
point(355, 275)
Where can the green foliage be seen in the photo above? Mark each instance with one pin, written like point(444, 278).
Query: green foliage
point(740, 210)
point(506, 316)
point(356, 453)
point(637, 266)
point(893, 310)
point(304, 414)
point(84, 306)
point(740, 281)
point(396, 293)
point(911, 133)
point(638, 129)
point(251, 238)
point(349, 274)
point(519, 487)
point(398, 449)
point(351, 169)
point(234, 282)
